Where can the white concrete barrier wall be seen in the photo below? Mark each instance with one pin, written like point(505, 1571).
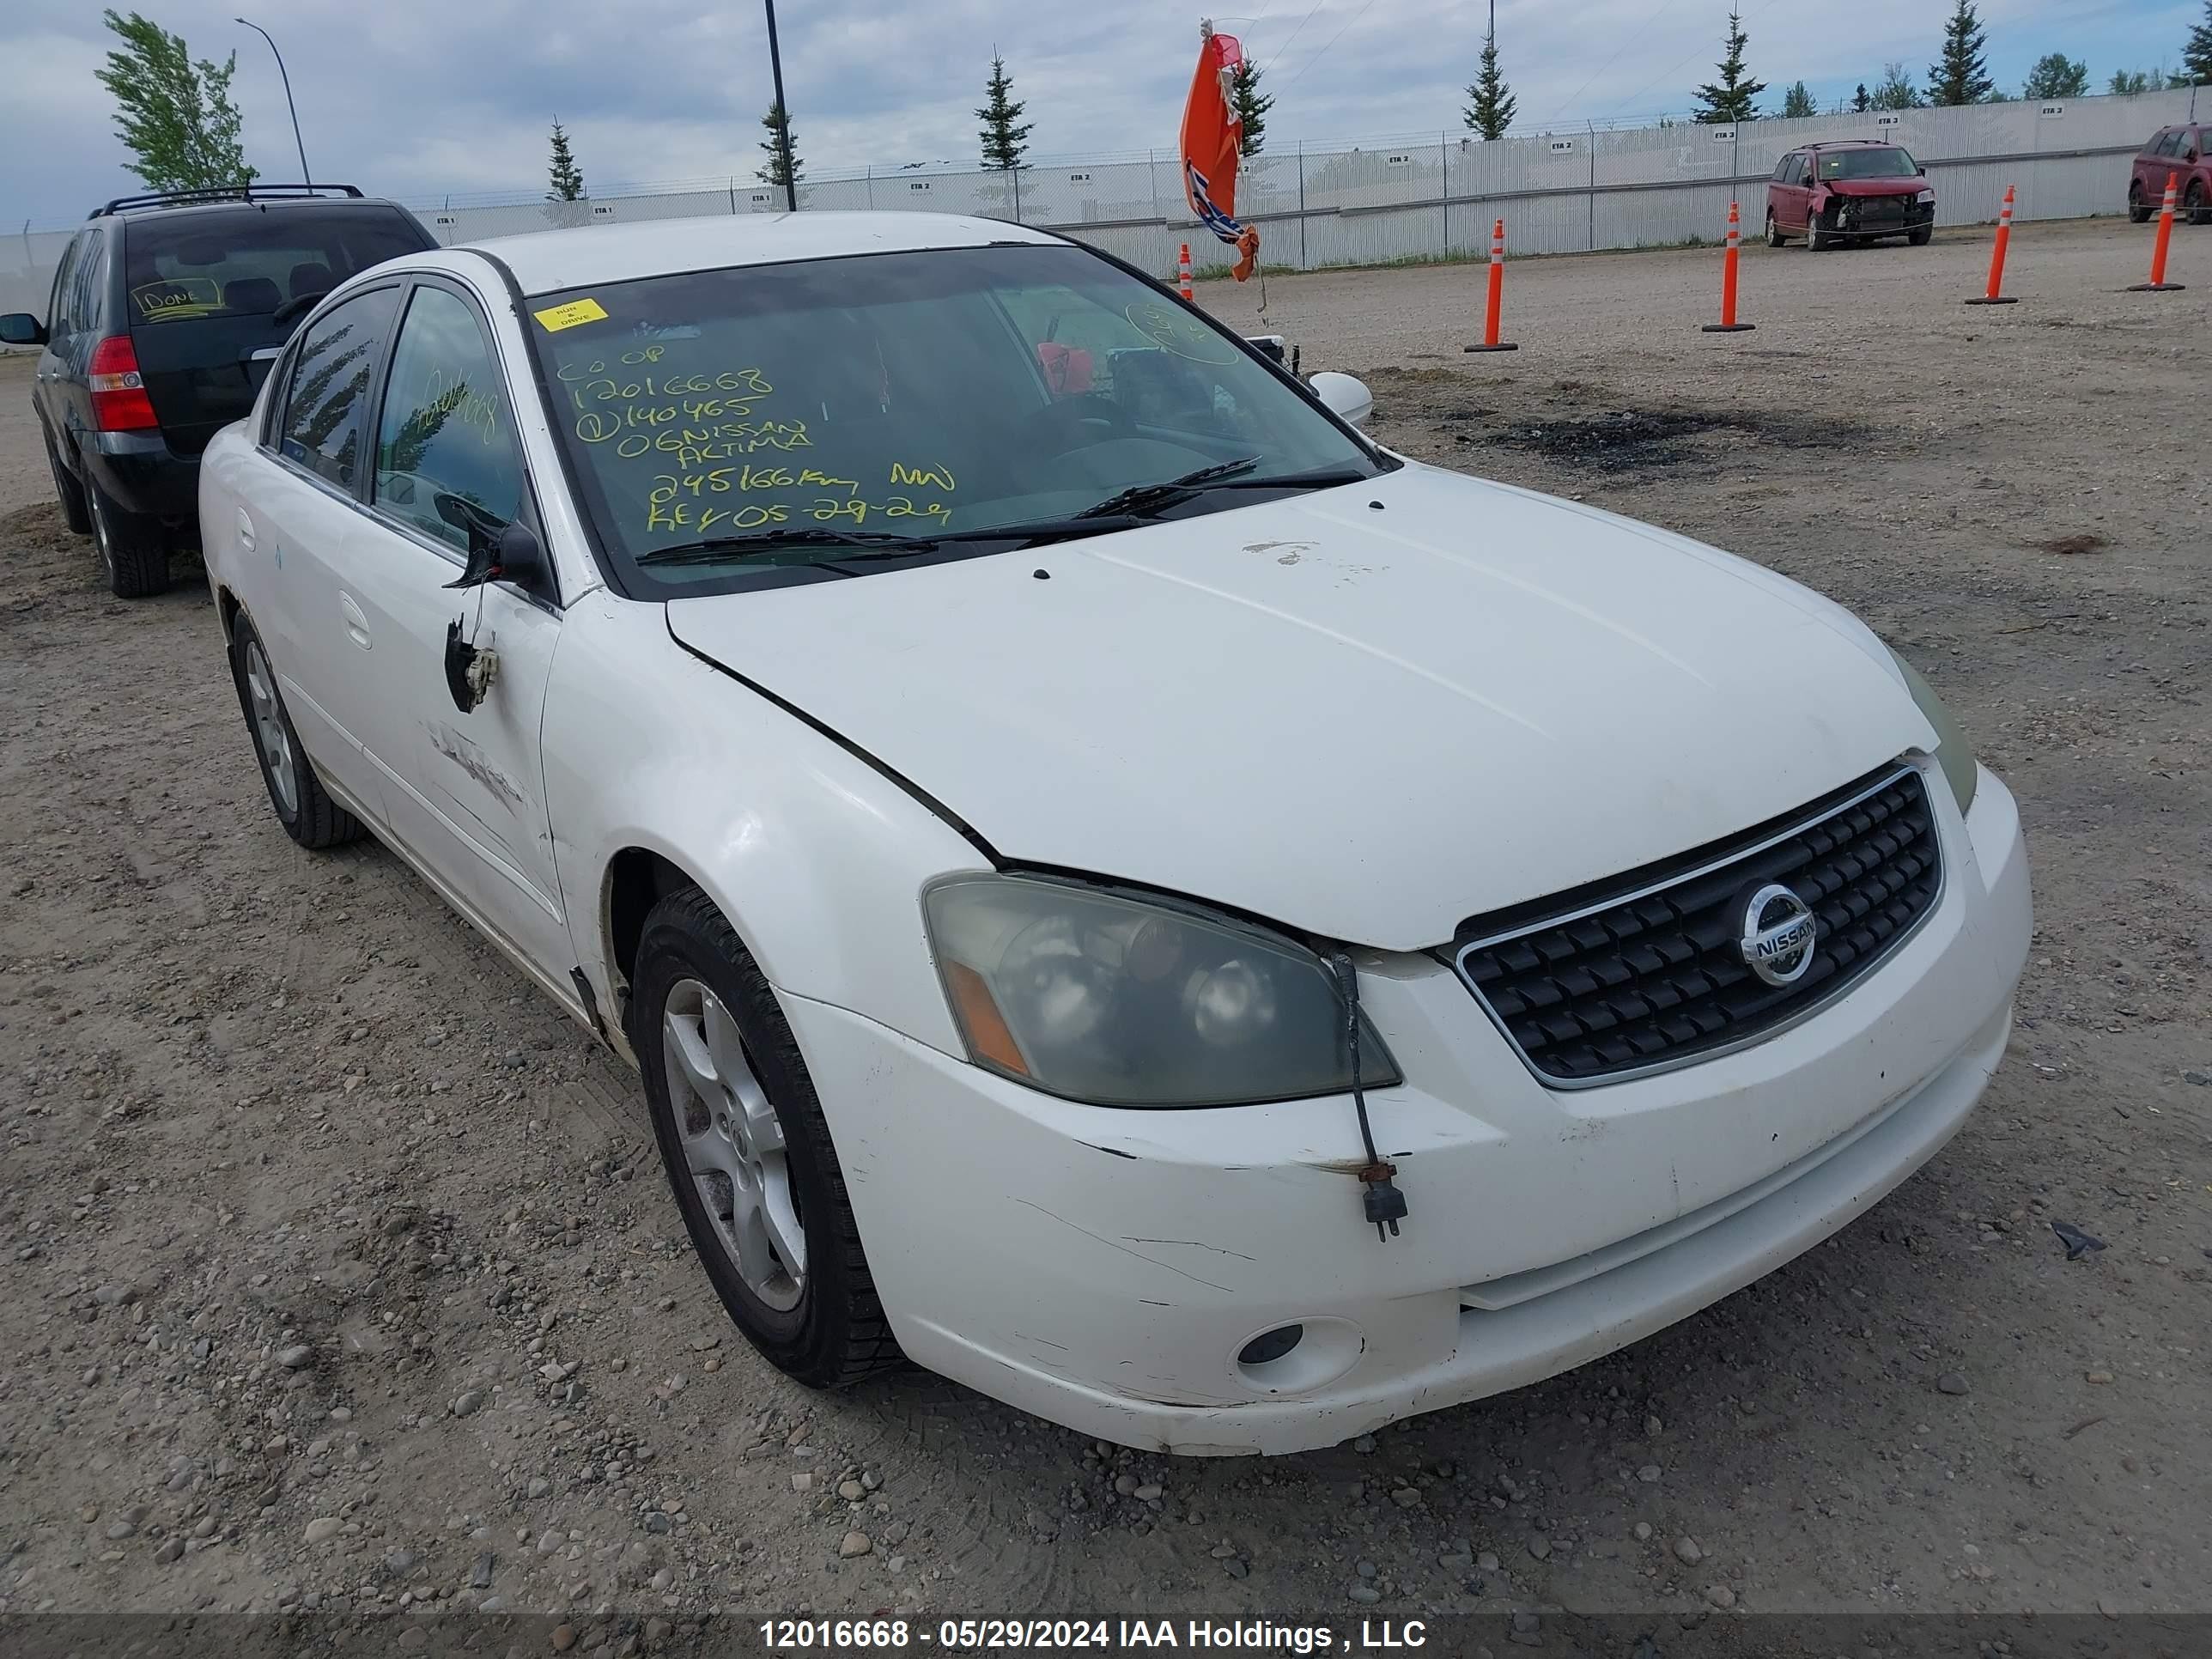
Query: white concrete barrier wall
point(1418, 197)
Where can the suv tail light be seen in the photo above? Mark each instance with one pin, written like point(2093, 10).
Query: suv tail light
point(119, 403)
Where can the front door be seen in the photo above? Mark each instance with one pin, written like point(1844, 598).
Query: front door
point(465, 788)
point(1797, 195)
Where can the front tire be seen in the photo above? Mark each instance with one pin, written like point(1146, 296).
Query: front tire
point(309, 816)
point(75, 513)
point(1816, 240)
point(747, 1150)
point(131, 546)
point(1920, 238)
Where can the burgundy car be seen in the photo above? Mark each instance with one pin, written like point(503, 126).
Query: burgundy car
point(1851, 190)
point(2185, 154)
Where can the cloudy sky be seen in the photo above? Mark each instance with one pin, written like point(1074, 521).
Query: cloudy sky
point(419, 98)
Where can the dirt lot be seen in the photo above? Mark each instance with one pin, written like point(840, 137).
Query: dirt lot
point(339, 1270)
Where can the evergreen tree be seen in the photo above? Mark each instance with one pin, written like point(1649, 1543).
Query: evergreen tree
point(1729, 98)
point(567, 179)
point(1859, 100)
point(1005, 133)
point(1797, 102)
point(2056, 76)
point(1251, 105)
point(1896, 90)
point(2195, 54)
point(1961, 76)
point(173, 115)
point(784, 165)
point(1491, 102)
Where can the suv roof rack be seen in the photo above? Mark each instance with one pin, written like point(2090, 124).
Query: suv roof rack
point(221, 193)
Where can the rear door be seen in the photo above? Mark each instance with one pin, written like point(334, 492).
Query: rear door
point(301, 518)
point(49, 390)
point(1797, 192)
point(202, 287)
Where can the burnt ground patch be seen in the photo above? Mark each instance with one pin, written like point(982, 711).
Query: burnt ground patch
point(1646, 439)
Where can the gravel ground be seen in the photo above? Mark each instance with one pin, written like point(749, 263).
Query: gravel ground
point(340, 1272)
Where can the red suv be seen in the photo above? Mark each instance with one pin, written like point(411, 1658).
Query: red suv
point(1853, 190)
point(2185, 152)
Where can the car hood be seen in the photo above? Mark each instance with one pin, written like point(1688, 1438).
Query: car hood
point(1366, 713)
point(1900, 185)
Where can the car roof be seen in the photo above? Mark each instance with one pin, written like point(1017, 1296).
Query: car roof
point(130, 211)
point(1852, 143)
point(547, 260)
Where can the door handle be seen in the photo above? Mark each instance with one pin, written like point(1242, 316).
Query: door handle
point(356, 623)
point(245, 531)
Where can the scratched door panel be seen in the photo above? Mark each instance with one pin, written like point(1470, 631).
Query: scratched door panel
point(464, 789)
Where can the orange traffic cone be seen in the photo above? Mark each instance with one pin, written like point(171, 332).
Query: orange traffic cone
point(1993, 296)
point(1182, 273)
point(1728, 324)
point(2158, 284)
point(1493, 310)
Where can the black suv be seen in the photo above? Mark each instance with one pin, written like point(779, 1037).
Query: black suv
point(166, 311)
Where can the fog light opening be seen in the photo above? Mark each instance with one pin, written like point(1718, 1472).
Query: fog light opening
point(1297, 1357)
point(1270, 1345)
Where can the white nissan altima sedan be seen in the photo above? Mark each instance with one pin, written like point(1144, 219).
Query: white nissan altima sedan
point(1120, 889)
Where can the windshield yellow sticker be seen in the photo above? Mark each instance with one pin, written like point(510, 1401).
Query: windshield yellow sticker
point(557, 317)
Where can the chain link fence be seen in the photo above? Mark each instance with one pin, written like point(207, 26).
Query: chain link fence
point(1425, 197)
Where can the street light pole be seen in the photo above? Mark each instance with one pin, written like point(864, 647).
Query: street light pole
point(306, 176)
point(783, 132)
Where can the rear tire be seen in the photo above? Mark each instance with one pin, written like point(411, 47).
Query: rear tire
point(131, 545)
point(741, 1131)
point(74, 514)
point(1774, 236)
point(309, 816)
point(2138, 208)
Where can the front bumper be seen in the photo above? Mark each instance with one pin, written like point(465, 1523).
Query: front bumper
point(1104, 1268)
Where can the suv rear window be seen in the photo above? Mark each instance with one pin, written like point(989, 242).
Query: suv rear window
point(247, 264)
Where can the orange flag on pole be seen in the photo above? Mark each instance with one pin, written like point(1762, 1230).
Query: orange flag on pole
point(1212, 141)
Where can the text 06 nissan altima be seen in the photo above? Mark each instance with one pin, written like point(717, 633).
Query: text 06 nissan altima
point(1120, 891)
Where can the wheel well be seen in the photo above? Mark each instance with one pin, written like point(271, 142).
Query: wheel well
point(637, 880)
point(226, 606)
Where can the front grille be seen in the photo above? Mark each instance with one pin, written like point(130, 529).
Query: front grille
point(1648, 970)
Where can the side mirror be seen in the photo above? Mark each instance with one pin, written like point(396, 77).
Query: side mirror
point(21, 328)
point(1346, 396)
point(498, 552)
point(1922, 171)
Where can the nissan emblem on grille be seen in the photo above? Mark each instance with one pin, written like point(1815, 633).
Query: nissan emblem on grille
point(1780, 935)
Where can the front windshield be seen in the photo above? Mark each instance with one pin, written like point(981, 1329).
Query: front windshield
point(1885, 162)
point(900, 394)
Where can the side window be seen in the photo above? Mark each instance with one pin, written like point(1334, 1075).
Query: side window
point(446, 449)
point(329, 395)
point(57, 317)
point(1782, 169)
point(2169, 145)
point(85, 286)
point(1804, 174)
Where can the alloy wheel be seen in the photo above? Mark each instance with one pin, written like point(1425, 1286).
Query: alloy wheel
point(270, 734)
point(733, 1144)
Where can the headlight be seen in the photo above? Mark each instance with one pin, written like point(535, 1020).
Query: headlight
point(1925, 196)
point(1952, 753)
point(1118, 1002)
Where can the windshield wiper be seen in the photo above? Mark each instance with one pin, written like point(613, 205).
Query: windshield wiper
point(1223, 475)
point(722, 549)
point(865, 544)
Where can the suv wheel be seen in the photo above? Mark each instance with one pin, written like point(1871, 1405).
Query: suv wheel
point(1774, 236)
point(2139, 209)
point(131, 546)
point(1816, 240)
point(70, 492)
point(309, 816)
point(1919, 238)
point(2194, 202)
point(747, 1150)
